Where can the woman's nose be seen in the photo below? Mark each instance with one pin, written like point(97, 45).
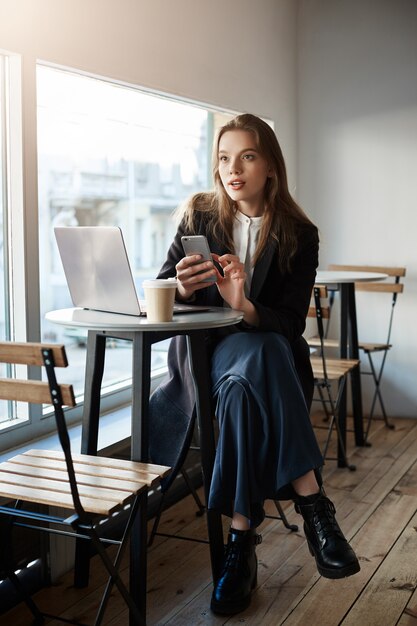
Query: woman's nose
point(234, 166)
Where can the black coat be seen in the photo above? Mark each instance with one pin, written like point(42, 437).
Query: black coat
point(281, 299)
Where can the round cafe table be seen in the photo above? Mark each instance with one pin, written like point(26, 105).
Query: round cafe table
point(143, 334)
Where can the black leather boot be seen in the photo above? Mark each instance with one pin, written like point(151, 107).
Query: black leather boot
point(239, 574)
point(334, 556)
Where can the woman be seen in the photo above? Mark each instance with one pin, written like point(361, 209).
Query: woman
point(265, 253)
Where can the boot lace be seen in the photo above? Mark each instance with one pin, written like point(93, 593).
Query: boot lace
point(234, 551)
point(324, 520)
point(232, 556)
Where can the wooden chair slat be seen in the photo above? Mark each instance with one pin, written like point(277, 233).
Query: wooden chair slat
point(328, 343)
point(91, 505)
point(89, 468)
point(122, 484)
point(382, 269)
point(380, 287)
point(34, 391)
point(97, 461)
point(63, 486)
point(325, 311)
point(31, 353)
point(323, 290)
point(82, 468)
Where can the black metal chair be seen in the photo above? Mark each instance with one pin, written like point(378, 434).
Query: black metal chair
point(90, 489)
point(394, 287)
point(169, 443)
point(330, 375)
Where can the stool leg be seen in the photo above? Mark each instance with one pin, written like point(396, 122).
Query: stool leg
point(200, 505)
point(283, 517)
point(156, 520)
point(377, 394)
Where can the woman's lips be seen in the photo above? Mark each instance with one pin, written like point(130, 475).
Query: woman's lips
point(236, 184)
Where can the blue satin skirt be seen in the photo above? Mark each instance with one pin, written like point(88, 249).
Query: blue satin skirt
point(265, 435)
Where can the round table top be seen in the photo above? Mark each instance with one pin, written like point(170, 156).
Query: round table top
point(337, 276)
point(215, 317)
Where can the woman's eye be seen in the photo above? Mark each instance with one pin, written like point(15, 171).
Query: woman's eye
point(223, 158)
point(248, 157)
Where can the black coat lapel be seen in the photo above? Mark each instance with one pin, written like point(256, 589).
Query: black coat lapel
point(261, 269)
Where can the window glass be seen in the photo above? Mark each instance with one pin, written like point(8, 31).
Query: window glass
point(117, 156)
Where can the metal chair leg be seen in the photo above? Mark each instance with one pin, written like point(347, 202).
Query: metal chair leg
point(38, 616)
point(156, 520)
point(200, 505)
point(283, 517)
point(377, 394)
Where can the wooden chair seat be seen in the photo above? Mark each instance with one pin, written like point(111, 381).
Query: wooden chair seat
point(314, 342)
point(335, 368)
point(41, 476)
point(374, 347)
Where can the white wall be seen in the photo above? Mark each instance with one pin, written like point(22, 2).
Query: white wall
point(357, 88)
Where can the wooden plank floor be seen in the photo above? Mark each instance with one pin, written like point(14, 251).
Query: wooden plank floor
point(376, 507)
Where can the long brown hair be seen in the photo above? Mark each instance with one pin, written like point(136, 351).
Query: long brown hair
point(282, 214)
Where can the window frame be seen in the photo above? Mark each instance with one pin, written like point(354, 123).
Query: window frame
point(13, 218)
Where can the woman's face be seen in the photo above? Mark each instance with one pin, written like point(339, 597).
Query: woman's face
point(243, 170)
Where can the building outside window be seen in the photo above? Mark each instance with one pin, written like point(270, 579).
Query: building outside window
point(117, 156)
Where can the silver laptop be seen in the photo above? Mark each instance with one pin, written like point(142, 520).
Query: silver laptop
point(98, 271)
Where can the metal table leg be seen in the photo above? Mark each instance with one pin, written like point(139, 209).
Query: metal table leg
point(201, 375)
point(355, 376)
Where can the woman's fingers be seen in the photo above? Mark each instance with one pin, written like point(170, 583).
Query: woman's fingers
point(231, 265)
point(191, 272)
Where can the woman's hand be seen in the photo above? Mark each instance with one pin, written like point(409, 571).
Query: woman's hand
point(232, 286)
point(188, 276)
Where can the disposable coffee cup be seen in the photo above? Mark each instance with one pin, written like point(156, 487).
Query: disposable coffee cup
point(159, 298)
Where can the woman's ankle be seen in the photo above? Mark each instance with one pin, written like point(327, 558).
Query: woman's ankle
point(306, 485)
point(240, 522)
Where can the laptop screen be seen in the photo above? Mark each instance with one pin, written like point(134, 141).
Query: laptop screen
point(97, 268)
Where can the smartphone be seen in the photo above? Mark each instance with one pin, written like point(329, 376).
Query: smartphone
point(198, 244)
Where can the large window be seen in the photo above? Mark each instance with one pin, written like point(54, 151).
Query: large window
point(107, 154)
point(113, 155)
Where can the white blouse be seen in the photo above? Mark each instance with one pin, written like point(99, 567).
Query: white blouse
point(245, 238)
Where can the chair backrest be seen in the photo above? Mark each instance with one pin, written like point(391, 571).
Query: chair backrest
point(320, 309)
point(391, 285)
point(33, 391)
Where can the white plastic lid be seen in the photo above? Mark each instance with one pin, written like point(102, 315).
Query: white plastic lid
point(160, 283)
